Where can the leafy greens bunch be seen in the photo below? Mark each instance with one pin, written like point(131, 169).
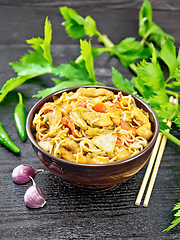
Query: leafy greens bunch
point(149, 81)
point(142, 57)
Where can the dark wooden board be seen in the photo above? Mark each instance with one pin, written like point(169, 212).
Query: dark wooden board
point(109, 4)
point(70, 213)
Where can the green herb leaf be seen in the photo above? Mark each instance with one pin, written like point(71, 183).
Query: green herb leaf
point(176, 216)
point(86, 52)
point(151, 76)
point(90, 26)
point(149, 29)
point(73, 23)
point(162, 125)
point(168, 55)
point(157, 35)
point(164, 109)
point(10, 85)
point(142, 89)
point(37, 62)
point(145, 18)
point(31, 65)
point(177, 121)
point(47, 42)
point(176, 82)
point(128, 51)
point(24, 67)
point(122, 83)
point(77, 26)
point(71, 71)
point(150, 79)
point(62, 85)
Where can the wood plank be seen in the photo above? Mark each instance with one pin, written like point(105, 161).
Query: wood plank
point(116, 24)
point(105, 4)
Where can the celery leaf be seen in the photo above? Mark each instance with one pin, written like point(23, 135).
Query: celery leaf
point(11, 84)
point(148, 28)
point(74, 23)
point(122, 83)
point(168, 55)
point(33, 64)
point(145, 18)
point(86, 52)
point(175, 83)
point(47, 42)
point(90, 26)
point(128, 51)
point(71, 71)
point(151, 76)
point(76, 26)
point(62, 85)
point(176, 216)
point(177, 121)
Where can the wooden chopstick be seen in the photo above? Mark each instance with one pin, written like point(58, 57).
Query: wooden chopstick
point(148, 170)
point(157, 151)
point(156, 167)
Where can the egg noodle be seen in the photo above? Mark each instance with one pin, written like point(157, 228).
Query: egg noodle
point(93, 126)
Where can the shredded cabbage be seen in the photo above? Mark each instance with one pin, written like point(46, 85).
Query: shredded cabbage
point(105, 141)
point(77, 119)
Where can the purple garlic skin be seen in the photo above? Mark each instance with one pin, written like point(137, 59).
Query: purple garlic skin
point(22, 173)
point(34, 197)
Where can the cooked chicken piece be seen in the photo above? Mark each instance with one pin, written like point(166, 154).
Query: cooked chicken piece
point(120, 155)
point(63, 153)
point(140, 117)
point(115, 117)
point(65, 107)
point(61, 104)
point(71, 145)
point(92, 132)
point(145, 131)
point(93, 92)
point(123, 155)
point(54, 117)
point(95, 118)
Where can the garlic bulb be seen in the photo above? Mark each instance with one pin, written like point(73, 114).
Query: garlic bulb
point(22, 173)
point(34, 197)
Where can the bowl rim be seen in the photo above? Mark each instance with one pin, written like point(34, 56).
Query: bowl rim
point(60, 160)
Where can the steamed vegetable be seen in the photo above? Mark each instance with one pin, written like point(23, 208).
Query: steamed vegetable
point(105, 141)
point(77, 119)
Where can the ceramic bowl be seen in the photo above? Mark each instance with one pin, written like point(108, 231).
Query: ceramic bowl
point(97, 177)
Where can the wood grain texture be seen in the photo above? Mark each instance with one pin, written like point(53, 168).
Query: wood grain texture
point(109, 4)
point(70, 213)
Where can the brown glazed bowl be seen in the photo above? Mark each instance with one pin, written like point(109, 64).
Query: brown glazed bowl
point(97, 177)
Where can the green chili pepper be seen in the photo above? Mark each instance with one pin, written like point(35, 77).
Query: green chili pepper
point(20, 118)
point(6, 140)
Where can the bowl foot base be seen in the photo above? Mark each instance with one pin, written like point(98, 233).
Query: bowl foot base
point(90, 189)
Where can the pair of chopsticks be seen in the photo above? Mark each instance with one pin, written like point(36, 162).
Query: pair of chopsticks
point(155, 160)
